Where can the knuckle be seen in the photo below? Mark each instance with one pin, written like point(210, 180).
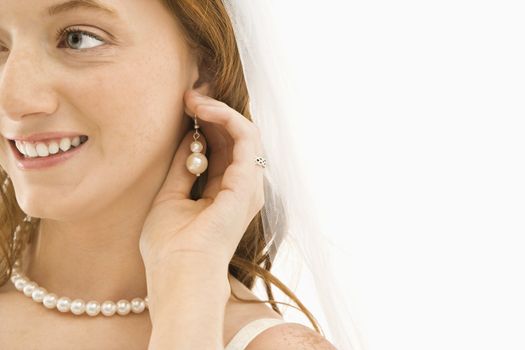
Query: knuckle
point(253, 129)
point(222, 104)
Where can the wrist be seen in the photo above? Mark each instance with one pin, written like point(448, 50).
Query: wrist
point(187, 302)
point(183, 259)
point(185, 281)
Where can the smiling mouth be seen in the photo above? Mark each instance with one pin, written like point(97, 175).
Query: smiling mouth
point(20, 155)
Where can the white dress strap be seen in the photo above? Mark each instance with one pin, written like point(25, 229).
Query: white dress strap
point(247, 333)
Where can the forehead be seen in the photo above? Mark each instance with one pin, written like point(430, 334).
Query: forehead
point(11, 10)
point(28, 14)
point(73, 5)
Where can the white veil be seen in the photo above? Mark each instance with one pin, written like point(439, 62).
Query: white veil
point(288, 218)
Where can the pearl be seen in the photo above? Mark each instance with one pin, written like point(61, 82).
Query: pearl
point(123, 307)
point(108, 308)
point(196, 147)
point(38, 294)
point(20, 283)
point(29, 288)
point(137, 305)
point(63, 304)
point(14, 277)
point(196, 163)
point(78, 306)
point(92, 308)
point(50, 300)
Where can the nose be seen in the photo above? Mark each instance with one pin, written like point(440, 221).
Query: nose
point(25, 87)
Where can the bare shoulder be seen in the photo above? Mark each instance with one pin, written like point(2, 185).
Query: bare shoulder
point(287, 336)
point(239, 313)
point(290, 336)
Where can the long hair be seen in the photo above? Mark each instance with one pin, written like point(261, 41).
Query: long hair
point(209, 33)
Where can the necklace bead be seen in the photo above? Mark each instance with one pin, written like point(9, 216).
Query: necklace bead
point(78, 306)
point(92, 308)
point(64, 304)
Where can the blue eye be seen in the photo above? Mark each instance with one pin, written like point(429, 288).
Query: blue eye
point(75, 38)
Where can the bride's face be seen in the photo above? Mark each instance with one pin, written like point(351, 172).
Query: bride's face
point(117, 78)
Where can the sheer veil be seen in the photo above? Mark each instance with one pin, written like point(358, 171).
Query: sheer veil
point(288, 218)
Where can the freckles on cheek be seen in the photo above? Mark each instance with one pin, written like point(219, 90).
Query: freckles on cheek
point(104, 96)
point(146, 94)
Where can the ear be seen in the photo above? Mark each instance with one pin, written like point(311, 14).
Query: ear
point(204, 81)
point(204, 88)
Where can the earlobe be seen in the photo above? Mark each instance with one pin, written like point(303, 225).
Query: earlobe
point(203, 88)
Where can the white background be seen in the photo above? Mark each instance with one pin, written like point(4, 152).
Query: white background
point(414, 143)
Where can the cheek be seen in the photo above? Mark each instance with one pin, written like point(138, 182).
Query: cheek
point(133, 111)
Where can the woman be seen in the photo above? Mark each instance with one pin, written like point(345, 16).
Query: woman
point(91, 96)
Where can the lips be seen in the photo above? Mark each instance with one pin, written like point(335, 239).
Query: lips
point(27, 163)
point(43, 136)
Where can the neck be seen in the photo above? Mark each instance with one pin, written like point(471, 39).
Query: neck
point(89, 261)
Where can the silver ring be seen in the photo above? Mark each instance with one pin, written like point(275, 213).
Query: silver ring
point(260, 161)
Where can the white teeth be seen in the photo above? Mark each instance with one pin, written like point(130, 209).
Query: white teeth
point(65, 144)
point(75, 141)
point(53, 147)
point(20, 146)
point(30, 149)
point(41, 149)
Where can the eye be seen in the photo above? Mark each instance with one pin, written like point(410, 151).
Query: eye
point(75, 38)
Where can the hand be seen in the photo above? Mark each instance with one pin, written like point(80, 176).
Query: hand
point(210, 227)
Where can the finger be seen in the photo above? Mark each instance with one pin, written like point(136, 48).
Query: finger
point(238, 127)
point(242, 177)
point(179, 180)
point(239, 175)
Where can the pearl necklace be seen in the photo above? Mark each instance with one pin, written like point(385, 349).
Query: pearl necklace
point(65, 304)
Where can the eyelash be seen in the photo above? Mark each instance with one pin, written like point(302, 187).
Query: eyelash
point(64, 32)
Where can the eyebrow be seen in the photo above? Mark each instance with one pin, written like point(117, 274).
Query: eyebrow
point(76, 4)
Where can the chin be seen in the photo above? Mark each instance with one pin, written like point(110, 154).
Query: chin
point(50, 207)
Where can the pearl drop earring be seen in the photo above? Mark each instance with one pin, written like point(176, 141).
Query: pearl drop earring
point(197, 163)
